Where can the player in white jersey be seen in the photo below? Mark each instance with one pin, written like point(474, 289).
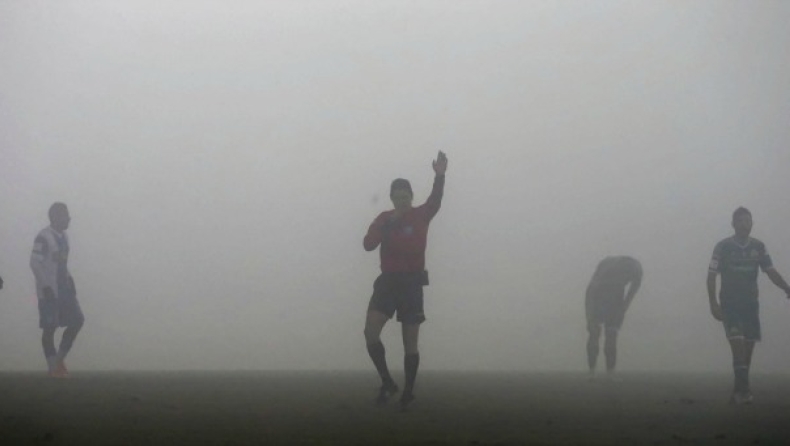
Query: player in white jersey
point(57, 295)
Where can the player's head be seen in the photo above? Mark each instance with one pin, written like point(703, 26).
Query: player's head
point(742, 222)
point(401, 194)
point(59, 216)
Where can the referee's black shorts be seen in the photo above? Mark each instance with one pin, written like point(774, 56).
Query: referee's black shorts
point(401, 293)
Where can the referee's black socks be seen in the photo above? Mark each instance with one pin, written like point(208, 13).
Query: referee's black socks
point(410, 365)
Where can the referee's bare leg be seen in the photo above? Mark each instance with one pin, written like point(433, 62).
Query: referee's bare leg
point(411, 360)
point(374, 323)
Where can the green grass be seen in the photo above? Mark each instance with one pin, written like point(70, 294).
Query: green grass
point(322, 408)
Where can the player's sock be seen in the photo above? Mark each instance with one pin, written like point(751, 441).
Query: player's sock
point(610, 350)
point(378, 355)
point(52, 363)
point(741, 374)
point(48, 344)
point(410, 365)
point(592, 354)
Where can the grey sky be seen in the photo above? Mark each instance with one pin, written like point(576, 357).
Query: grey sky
point(222, 163)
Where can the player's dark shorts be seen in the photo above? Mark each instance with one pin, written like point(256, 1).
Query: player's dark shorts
point(401, 293)
point(741, 318)
point(64, 311)
point(605, 308)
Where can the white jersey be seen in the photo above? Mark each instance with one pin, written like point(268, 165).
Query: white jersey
point(49, 261)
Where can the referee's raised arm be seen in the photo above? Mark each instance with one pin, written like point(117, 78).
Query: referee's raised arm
point(434, 201)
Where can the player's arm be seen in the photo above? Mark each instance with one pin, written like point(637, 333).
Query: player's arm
point(588, 294)
point(713, 271)
point(37, 258)
point(589, 291)
point(434, 201)
point(777, 279)
point(767, 265)
point(715, 308)
point(633, 287)
point(372, 239)
point(378, 230)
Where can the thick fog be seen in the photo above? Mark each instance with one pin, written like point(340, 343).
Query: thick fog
point(222, 163)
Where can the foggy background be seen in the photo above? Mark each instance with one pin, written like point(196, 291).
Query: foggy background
point(222, 163)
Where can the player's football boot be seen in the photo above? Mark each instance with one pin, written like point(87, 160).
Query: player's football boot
point(385, 392)
point(405, 399)
point(60, 370)
point(743, 398)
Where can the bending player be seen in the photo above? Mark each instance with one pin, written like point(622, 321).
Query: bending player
point(606, 303)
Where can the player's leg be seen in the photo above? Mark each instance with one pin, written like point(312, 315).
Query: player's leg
point(740, 368)
point(71, 315)
point(748, 349)
point(48, 344)
point(612, 324)
point(374, 324)
point(410, 314)
point(48, 322)
point(751, 334)
point(593, 334)
point(733, 328)
point(66, 342)
point(411, 359)
point(610, 348)
point(380, 309)
point(742, 328)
